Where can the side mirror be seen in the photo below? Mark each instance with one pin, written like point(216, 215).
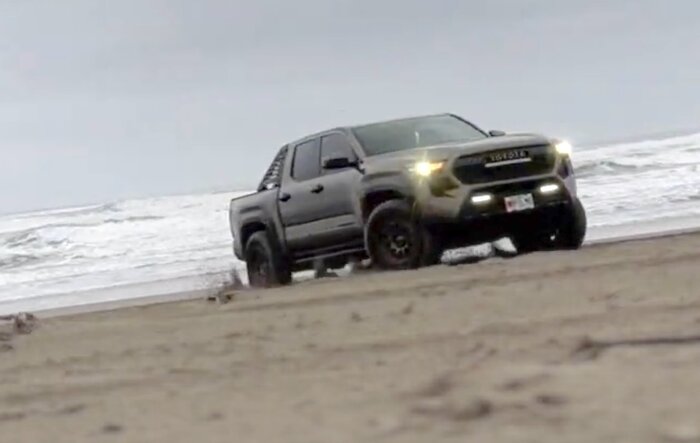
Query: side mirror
point(339, 163)
point(496, 133)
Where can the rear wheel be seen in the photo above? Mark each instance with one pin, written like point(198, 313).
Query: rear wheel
point(395, 238)
point(264, 262)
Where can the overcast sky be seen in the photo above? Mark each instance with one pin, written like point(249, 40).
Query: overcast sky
point(103, 100)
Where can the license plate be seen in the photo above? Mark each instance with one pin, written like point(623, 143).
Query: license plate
point(519, 202)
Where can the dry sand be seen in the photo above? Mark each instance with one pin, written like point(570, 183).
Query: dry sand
point(597, 345)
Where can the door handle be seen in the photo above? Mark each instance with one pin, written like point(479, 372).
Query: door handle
point(316, 189)
point(284, 197)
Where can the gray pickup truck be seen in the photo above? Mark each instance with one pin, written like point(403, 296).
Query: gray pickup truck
point(400, 192)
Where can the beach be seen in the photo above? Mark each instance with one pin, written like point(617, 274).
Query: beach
point(152, 247)
point(600, 344)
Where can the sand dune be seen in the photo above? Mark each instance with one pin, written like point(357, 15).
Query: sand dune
point(601, 344)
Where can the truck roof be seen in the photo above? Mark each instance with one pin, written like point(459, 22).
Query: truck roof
point(394, 120)
point(273, 174)
point(349, 128)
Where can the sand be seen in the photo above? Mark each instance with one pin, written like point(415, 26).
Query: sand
point(601, 344)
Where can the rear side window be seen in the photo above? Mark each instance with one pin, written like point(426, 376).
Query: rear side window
point(306, 161)
point(336, 145)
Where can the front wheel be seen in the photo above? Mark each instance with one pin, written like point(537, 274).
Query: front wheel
point(569, 232)
point(526, 243)
point(395, 239)
point(572, 229)
point(264, 263)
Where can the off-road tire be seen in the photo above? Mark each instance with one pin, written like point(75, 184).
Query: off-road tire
point(265, 263)
point(569, 232)
point(396, 239)
point(526, 243)
point(572, 230)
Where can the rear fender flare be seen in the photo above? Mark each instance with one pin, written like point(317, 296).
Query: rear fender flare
point(249, 227)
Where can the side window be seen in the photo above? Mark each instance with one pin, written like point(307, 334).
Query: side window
point(306, 161)
point(336, 145)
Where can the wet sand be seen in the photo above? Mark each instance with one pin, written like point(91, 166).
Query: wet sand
point(601, 344)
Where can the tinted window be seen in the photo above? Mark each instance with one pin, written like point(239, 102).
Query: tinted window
point(420, 132)
point(336, 145)
point(306, 161)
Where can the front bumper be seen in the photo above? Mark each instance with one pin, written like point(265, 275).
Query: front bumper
point(441, 199)
point(500, 193)
point(460, 222)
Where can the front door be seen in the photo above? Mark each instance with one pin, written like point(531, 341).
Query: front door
point(318, 207)
point(339, 204)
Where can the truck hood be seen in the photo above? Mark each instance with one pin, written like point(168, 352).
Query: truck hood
point(449, 150)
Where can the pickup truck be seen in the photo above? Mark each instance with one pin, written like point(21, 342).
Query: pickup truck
point(400, 192)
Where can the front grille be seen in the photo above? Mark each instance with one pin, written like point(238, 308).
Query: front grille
point(505, 164)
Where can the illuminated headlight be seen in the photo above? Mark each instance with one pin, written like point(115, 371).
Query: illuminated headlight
point(549, 188)
point(563, 147)
point(425, 169)
point(481, 199)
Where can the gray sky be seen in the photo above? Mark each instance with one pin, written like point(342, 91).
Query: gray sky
point(105, 100)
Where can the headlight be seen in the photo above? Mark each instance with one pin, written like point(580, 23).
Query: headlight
point(563, 147)
point(425, 169)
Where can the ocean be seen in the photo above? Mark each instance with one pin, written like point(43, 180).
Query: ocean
point(98, 249)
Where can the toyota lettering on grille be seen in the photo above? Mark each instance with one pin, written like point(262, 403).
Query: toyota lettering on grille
point(507, 156)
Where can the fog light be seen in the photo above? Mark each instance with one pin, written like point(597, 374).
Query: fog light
point(550, 188)
point(481, 199)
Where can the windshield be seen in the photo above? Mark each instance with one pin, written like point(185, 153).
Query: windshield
point(420, 132)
